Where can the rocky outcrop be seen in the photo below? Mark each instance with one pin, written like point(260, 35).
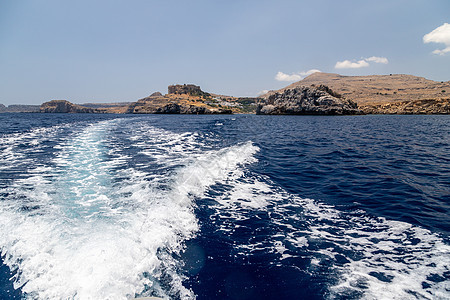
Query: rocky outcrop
point(182, 99)
point(426, 106)
point(64, 106)
point(184, 89)
point(171, 108)
point(306, 101)
point(147, 105)
point(174, 108)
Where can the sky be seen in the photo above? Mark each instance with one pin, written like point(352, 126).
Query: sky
point(123, 50)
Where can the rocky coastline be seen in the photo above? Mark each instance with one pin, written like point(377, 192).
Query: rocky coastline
point(317, 94)
point(181, 99)
point(386, 94)
point(64, 106)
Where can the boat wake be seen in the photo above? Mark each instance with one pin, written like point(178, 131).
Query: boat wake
point(104, 210)
point(362, 257)
point(87, 226)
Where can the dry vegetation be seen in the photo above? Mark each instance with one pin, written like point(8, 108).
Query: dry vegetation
point(379, 89)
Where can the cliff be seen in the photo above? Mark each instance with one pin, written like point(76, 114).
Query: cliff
point(303, 100)
point(64, 106)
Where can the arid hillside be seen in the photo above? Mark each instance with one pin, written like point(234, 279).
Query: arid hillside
point(379, 89)
point(190, 99)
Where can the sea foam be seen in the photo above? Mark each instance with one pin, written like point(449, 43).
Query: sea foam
point(364, 257)
point(88, 226)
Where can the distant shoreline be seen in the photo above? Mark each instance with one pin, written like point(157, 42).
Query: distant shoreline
point(393, 94)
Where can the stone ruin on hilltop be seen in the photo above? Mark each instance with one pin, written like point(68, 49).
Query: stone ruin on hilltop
point(184, 89)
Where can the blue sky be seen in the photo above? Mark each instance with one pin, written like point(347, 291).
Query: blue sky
point(109, 50)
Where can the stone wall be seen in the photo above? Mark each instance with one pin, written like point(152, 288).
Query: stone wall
point(184, 89)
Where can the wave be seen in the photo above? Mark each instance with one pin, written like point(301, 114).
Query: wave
point(104, 211)
point(361, 257)
point(18, 150)
point(87, 225)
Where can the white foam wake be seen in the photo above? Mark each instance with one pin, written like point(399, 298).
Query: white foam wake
point(86, 227)
point(365, 257)
point(15, 148)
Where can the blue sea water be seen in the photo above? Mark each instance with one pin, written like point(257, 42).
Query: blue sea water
point(224, 207)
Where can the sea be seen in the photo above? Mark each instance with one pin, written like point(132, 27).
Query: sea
point(102, 206)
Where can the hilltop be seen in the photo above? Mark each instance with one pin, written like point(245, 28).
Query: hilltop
point(378, 89)
point(395, 93)
point(190, 99)
point(180, 99)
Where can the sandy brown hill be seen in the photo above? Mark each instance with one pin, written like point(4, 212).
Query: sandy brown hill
point(181, 99)
point(379, 89)
point(415, 107)
point(190, 99)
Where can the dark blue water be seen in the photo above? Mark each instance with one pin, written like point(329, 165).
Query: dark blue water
point(224, 207)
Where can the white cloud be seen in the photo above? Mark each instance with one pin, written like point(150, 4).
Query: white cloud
point(286, 77)
point(294, 76)
point(441, 52)
point(379, 60)
point(346, 64)
point(440, 35)
point(309, 72)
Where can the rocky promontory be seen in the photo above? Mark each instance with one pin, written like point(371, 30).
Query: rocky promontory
point(181, 99)
point(64, 106)
point(303, 100)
